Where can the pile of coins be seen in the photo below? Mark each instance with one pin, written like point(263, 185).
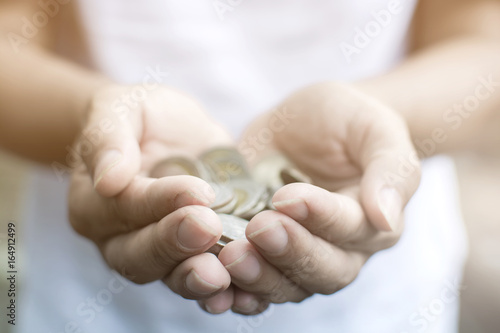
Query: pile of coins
point(240, 193)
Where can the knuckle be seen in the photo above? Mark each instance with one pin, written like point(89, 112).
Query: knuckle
point(304, 267)
point(285, 293)
point(275, 292)
point(160, 255)
point(329, 224)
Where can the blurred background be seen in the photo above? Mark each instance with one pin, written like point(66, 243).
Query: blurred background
point(479, 179)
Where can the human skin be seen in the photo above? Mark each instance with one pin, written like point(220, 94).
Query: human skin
point(453, 57)
point(420, 90)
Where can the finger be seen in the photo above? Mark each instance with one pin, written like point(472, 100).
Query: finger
point(219, 303)
point(109, 143)
point(334, 217)
point(144, 201)
point(199, 277)
point(252, 273)
point(391, 168)
point(307, 260)
point(152, 252)
point(249, 304)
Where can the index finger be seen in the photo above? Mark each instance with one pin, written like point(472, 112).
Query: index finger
point(334, 217)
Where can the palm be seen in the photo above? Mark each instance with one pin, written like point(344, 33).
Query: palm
point(328, 161)
point(332, 155)
point(172, 126)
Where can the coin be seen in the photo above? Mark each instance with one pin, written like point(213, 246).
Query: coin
point(223, 195)
point(233, 228)
point(239, 194)
point(276, 170)
point(259, 207)
point(225, 164)
point(179, 165)
point(229, 207)
point(249, 194)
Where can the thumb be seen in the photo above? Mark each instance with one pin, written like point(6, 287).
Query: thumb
point(391, 172)
point(114, 131)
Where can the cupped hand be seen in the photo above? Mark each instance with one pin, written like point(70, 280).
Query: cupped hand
point(148, 229)
point(364, 170)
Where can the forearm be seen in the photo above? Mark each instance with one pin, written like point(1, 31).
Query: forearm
point(440, 89)
point(42, 102)
point(42, 96)
point(447, 93)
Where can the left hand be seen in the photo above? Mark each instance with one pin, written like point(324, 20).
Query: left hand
point(321, 235)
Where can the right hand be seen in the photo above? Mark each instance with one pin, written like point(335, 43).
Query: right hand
point(148, 229)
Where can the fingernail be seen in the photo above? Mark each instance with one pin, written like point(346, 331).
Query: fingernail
point(390, 203)
point(198, 286)
point(210, 310)
point(273, 238)
point(246, 268)
point(250, 307)
point(295, 208)
point(109, 160)
point(194, 233)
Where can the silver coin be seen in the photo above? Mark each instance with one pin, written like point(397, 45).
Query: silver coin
point(223, 195)
point(225, 164)
point(267, 170)
point(276, 171)
point(179, 165)
point(233, 228)
point(229, 207)
point(259, 207)
point(249, 194)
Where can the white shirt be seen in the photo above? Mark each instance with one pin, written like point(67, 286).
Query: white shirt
point(239, 66)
